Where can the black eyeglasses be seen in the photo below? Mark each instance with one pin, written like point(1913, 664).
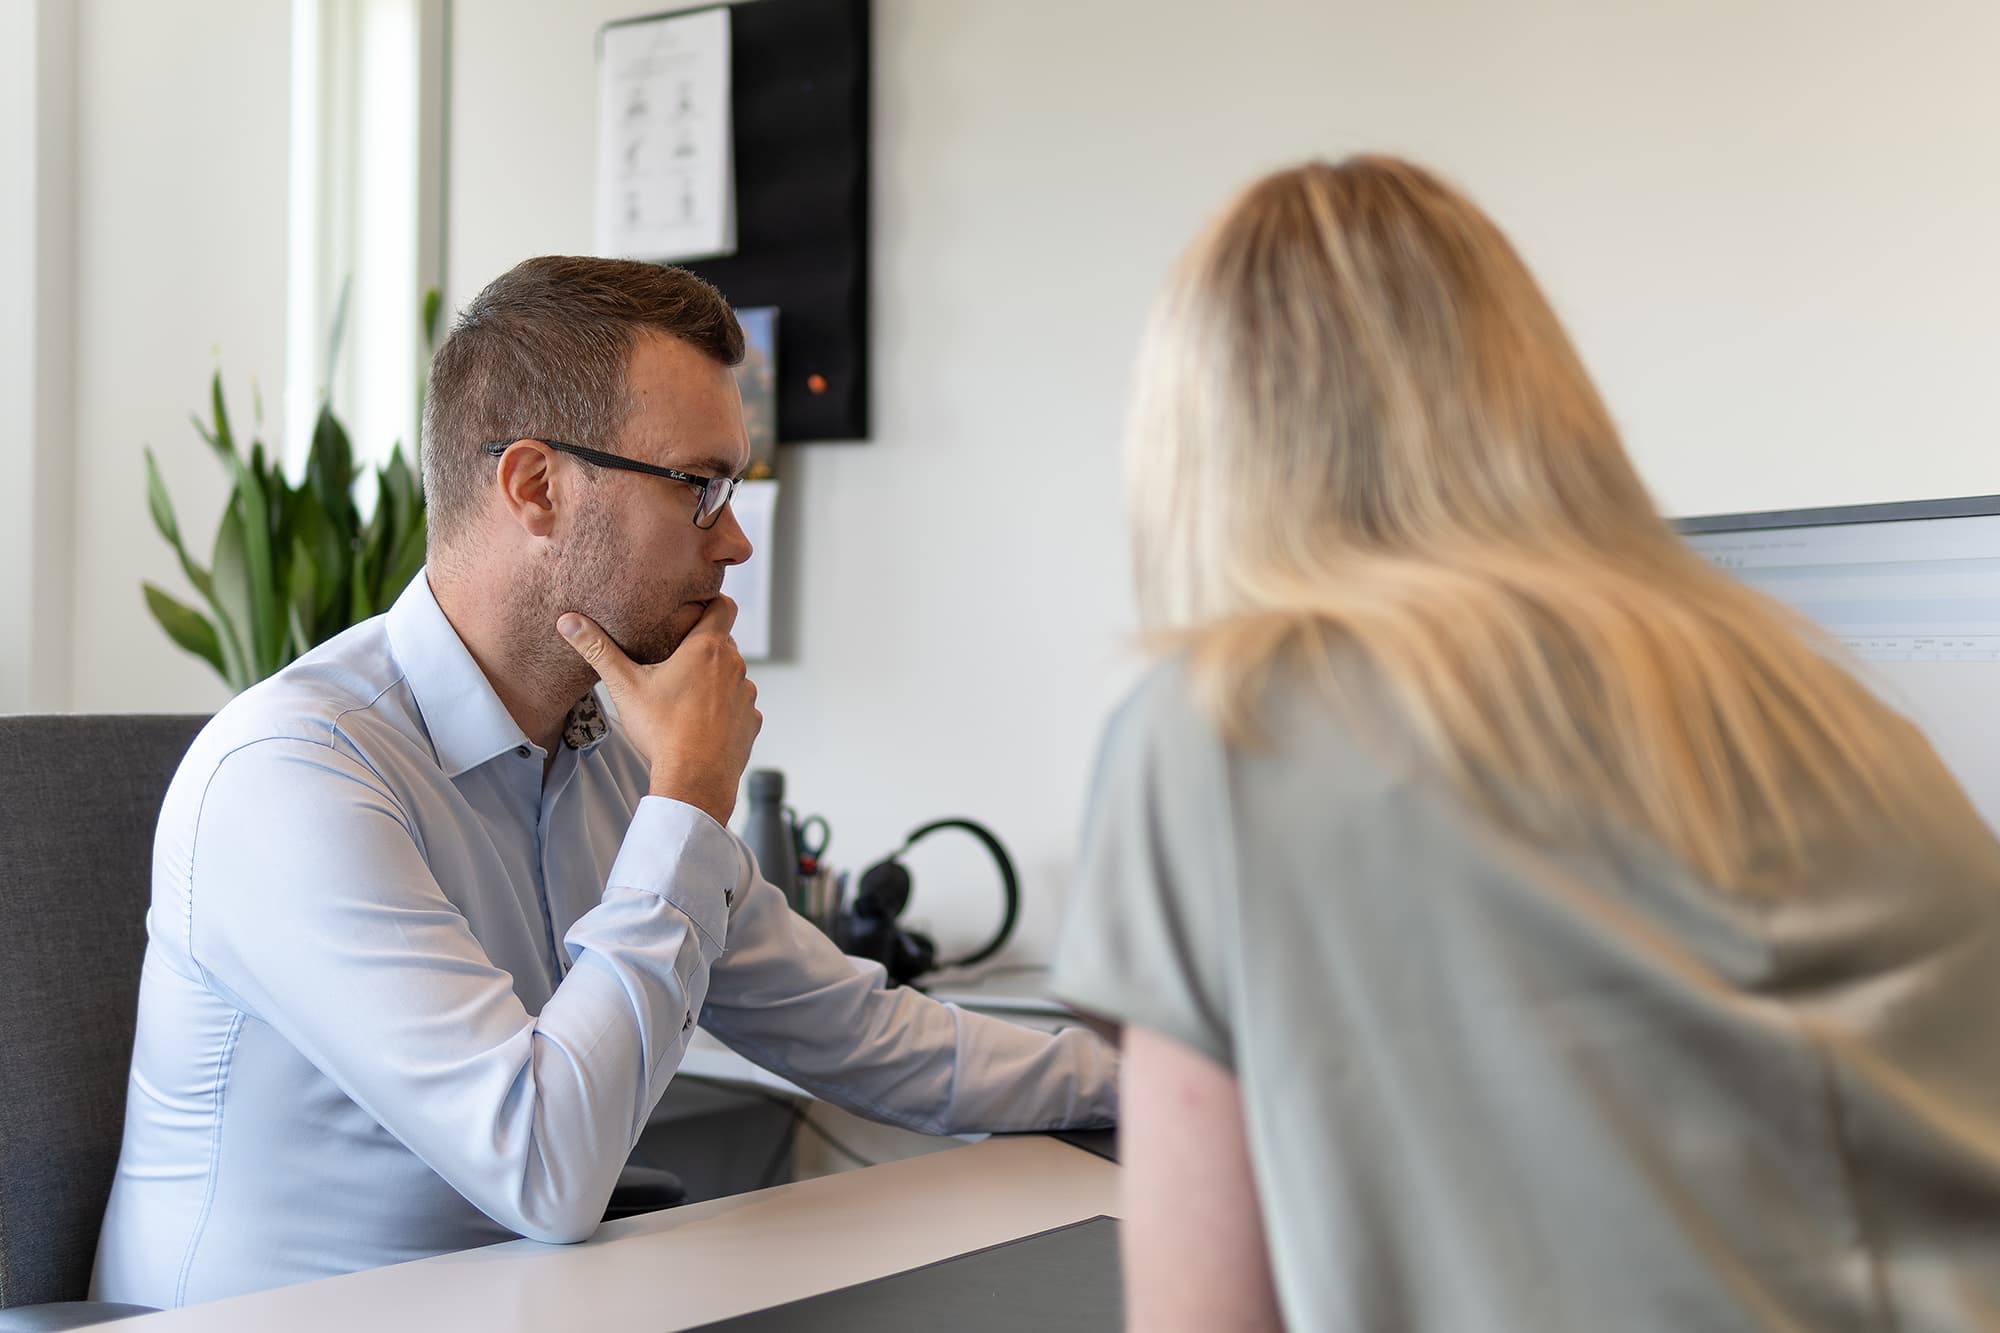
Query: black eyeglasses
point(715, 491)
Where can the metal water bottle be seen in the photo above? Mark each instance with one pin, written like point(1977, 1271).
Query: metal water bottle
point(768, 832)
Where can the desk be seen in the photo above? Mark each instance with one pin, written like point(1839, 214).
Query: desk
point(687, 1266)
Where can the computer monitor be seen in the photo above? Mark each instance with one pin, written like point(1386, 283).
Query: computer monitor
point(1912, 589)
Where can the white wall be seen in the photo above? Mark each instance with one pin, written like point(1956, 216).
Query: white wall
point(1768, 223)
point(180, 245)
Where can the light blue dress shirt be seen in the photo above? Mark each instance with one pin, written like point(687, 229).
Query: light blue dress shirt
point(403, 995)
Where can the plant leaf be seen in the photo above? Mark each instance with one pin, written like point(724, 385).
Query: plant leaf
point(301, 639)
point(359, 606)
point(157, 501)
point(232, 596)
point(330, 471)
point(404, 564)
point(187, 627)
point(300, 586)
point(222, 438)
point(327, 553)
point(207, 433)
point(272, 479)
point(260, 621)
point(265, 470)
point(294, 563)
point(232, 666)
point(433, 306)
point(264, 629)
point(399, 489)
point(397, 537)
point(375, 542)
point(163, 519)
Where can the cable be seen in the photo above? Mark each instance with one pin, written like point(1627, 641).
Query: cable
point(1010, 885)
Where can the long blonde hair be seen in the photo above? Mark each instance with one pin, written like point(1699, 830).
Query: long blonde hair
point(1358, 422)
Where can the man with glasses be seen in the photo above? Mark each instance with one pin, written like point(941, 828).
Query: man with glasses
point(430, 932)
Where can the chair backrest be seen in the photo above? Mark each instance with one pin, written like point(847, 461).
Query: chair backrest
point(79, 798)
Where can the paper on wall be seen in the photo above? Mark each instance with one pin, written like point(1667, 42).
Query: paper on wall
point(749, 583)
point(666, 185)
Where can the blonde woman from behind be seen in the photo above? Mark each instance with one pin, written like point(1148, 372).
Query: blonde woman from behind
point(1516, 923)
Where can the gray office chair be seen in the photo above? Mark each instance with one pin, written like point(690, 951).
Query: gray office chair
point(79, 796)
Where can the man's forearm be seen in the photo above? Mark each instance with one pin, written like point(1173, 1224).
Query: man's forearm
point(786, 998)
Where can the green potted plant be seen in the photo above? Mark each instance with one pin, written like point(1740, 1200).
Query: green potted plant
point(291, 565)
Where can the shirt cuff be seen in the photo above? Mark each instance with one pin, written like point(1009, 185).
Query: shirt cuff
point(678, 853)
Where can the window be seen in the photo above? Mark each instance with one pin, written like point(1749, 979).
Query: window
point(367, 192)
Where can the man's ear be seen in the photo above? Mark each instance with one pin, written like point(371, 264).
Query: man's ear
point(529, 486)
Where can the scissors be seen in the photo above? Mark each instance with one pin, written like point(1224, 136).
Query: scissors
point(810, 836)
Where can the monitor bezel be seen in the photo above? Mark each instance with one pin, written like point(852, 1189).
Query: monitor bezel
point(1897, 511)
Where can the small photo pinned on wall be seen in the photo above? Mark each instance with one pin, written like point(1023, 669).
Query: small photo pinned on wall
point(749, 584)
point(757, 377)
point(756, 502)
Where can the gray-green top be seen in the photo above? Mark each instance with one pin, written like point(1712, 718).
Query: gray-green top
point(1493, 1086)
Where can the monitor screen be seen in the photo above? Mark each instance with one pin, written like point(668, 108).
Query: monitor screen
point(1912, 589)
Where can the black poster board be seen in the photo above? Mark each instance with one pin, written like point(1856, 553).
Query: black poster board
point(799, 106)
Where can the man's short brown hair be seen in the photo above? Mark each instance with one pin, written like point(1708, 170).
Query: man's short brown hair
point(541, 353)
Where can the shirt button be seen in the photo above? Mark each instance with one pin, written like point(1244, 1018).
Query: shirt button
point(728, 897)
point(521, 750)
point(690, 1022)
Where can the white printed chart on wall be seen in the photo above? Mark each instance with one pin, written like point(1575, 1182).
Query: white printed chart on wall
point(665, 163)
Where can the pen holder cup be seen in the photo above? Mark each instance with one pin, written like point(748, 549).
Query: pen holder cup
point(822, 895)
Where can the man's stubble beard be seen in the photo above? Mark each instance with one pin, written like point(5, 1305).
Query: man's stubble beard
point(592, 577)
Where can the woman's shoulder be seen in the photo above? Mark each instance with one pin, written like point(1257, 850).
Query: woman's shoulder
point(1327, 719)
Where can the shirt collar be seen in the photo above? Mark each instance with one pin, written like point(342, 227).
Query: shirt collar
point(468, 724)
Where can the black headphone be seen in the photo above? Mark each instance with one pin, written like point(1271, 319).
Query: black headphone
point(869, 930)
